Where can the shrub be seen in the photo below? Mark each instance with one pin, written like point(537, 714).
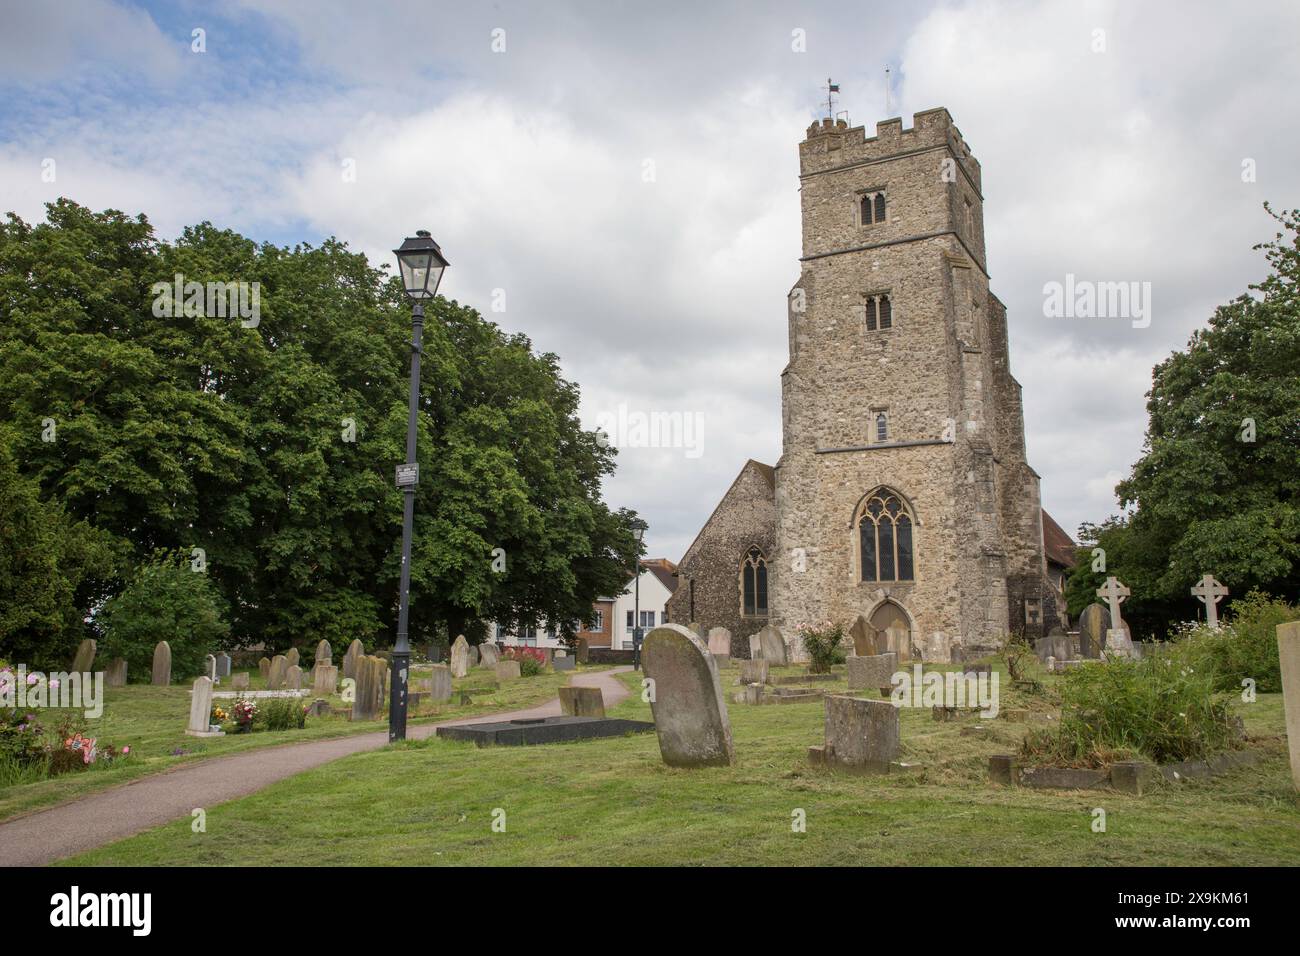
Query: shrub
point(1244, 647)
point(1157, 707)
point(823, 645)
point(164, 601)
point(283, 713)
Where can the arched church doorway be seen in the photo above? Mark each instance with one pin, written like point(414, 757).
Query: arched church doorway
point(891, 630)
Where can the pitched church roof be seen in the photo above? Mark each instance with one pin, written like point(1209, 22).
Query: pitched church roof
point(1058, 546)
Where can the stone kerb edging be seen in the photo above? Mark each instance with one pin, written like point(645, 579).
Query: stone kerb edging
point(1128, 776)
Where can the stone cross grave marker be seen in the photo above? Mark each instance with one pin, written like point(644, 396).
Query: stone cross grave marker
point(1114, 593)
point(1209, 592)
point(690, 715)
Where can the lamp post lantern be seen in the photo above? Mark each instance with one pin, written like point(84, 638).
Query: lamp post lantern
point(422, 266)
point(639, 527)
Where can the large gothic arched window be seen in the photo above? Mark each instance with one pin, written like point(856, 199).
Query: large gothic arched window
point(753, 583)
point(885, 524)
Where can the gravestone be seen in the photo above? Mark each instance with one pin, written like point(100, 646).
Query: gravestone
point(1209, 592)
point(440, 683)
point(324, 679)
point(275, 676)
point(239, 681)
point(223, 664)
point(264, 667)
point(473, 655)
point(1288, 652)
point(324, 653)
point(1119, 643)
point(85, 657)
point(1114, 594)
point(115, 676)
point(563, 663)
point(1093, 624)
point(162, 665)
point(210, 667)
point(201, 710)
point(584, 650)
point(696, 628)
point(689, 713)
point(460, 657)
point(772, 643)
point(754, 671)
point(582, 702)
point(507, 670)
point(755, 647)
point(864, 637)
point(488, 655)
point(350, 656)
point(720, 642)
point(369, 688)
point(1053, 645)
point(292, 657)
point(861, 734)
point(871, 671)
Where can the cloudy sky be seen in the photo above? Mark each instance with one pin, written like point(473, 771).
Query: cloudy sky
point(621, 178)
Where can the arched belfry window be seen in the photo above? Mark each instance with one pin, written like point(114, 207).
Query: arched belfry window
point(885, 525)
point(872, 208)
point(753, 583)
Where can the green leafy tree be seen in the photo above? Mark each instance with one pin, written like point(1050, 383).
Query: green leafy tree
point(1217, 488)
point(166, 600)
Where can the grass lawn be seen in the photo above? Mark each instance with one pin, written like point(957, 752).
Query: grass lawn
point(152, 720)
point(613, 802)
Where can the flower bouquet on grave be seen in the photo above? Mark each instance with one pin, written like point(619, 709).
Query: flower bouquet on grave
point(244, 711)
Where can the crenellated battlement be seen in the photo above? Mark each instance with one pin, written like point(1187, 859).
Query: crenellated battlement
point(833, 143)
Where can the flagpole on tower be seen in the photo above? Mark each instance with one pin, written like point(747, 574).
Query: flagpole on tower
point(831, 89)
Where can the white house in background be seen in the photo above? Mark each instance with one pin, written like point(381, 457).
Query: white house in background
point(657, 586)
point(614, 615)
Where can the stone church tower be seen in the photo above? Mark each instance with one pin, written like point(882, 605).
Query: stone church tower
point(903, 500)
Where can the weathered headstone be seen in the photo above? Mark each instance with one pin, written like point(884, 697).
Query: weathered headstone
point(755, 647)
point(1209, 592)
point(753, 671)
point(861, 734)
point(507, 670)
point(563, 663)
point(772, 642)
point(690, 715)
point(293, 677)
point(350, 657)
point(324, 653)
point(473, 655)
point(871, 671)
point(584, 650)
point(115, 676)
point(162, 665)
point(582, 702)
point(1119, 643)
point(864, 637)
point(719, 642)
point(440, 683)
point(223, 664)
point(796, 652)
point(264, 667)
point(239, 681)
point(1094, 622)
point(1288, 652)
point(460, 657)
point(85, 657)
point(1053, 645)
point(292, 657)
point(369, 688)
point(696, 628)
point(325, 679)
point(488, 655)
point(276, 675)
point(210, 667)
point(201, 710)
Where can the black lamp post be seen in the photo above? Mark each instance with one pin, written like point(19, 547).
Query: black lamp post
point(639, 527)
point(422, 266)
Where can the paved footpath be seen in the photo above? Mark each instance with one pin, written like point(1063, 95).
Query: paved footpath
point(100, 818)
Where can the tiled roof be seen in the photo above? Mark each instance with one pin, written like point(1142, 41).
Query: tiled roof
point(1057, 545)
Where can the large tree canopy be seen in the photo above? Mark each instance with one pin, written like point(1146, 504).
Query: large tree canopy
point(272, 447)
point(1217, 488)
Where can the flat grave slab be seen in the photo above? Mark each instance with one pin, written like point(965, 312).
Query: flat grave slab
point(543, 730)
